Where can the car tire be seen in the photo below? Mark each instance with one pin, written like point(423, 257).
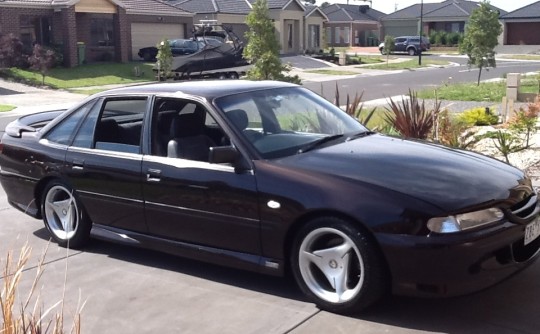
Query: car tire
point(338, 266)
point(411, 52)
point(64, 216)
point(382, 51)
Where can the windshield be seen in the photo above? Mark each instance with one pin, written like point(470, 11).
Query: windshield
point(284, 121)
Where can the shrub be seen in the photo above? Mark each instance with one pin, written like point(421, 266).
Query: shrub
point(411, 118)
point(355, 107)
point(11, 51)
point(478, 116)
point(454, 133)
point(42, 60)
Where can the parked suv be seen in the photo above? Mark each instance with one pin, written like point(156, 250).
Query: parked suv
point(409, 44)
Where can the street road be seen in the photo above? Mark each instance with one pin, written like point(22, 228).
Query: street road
point(399, 83)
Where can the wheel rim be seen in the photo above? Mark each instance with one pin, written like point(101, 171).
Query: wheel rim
point(331, 265)
point(61, 212)
point(411, 52)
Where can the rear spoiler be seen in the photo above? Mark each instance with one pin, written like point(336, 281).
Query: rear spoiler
point(31, 123)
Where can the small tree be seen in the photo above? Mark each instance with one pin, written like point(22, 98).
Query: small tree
point(11, 51)
point(481, 37)
point(389, 46)
point(164, 60)
point(42, 60)
point(262, 49)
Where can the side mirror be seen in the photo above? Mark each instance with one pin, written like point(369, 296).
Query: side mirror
point(223, 154)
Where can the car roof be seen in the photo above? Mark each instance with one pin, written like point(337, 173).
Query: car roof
point(208, 89)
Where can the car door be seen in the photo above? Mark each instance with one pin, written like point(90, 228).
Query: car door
point(188, 199)
point(401, 44)
point(104, 163)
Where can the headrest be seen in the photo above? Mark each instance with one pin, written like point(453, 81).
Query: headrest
point(239, 118)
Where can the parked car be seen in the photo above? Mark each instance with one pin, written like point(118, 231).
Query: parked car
point(179, 47)
point(409, 44)
point(270, 177)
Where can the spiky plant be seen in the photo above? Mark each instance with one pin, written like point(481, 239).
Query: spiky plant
point(411, 118)
point(355, 107)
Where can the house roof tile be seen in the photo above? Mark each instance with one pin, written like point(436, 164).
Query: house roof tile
point(131, 6)
point(341, 13)
point(531, 11)
point(449, 8)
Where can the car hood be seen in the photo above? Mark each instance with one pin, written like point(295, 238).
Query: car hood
point(451, 179)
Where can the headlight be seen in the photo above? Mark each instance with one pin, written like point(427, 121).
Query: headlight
point(465, 221)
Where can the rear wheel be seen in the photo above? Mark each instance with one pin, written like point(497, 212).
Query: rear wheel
point(338, 266)
point(64, 216)
point(412, 52)
point(233, 75)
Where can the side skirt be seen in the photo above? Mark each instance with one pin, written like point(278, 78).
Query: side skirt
point(197, 252)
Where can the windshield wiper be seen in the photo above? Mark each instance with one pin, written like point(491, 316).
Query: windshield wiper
point(318, 143)
point(359, 135)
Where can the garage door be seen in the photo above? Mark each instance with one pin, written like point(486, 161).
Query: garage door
point(525, 33)
point(149, 34)
point(400, 28)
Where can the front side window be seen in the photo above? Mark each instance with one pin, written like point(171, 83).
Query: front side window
point(184, 129)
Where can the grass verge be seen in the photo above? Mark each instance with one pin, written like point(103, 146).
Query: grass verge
point(6, 107)
point(407, 65)
point(521, 57)
point(486, 91)
point(88, 75)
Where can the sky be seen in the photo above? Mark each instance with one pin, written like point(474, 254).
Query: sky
point(388, 6)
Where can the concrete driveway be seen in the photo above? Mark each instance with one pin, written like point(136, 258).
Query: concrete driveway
point(129, 290)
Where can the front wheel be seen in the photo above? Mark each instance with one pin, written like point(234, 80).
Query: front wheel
point(64, 216)
point(338, 266)
point(412, 52)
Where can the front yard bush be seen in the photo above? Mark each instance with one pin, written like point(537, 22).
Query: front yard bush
point(478, 116)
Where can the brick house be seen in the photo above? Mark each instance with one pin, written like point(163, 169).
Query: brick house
point(297, 26)
point(449, 16)
point(109, 29)
point(522, 26)
point(352, 25)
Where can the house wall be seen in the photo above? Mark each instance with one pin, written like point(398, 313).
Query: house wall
point(282, 19)
point(316, 20)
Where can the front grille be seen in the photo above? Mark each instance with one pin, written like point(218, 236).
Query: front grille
point(525, 210)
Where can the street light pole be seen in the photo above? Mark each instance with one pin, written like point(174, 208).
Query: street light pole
point(421, 31)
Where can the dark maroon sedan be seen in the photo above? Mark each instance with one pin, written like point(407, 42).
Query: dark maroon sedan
point(270, 177)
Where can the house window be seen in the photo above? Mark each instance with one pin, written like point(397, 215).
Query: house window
point(101, 32)
point(34, 29)
point(314, 36)
point(337, 37)
point(328, 35)
point(346, 35)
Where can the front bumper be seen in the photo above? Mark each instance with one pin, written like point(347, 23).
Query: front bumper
point(451, 265)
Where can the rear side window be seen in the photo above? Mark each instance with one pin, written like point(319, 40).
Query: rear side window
point(119, 126)
point(63, 132)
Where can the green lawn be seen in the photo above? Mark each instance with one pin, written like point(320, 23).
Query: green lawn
point(409, 64)
point(487, 91)
point(89, 75)
point(6, 107)
point(522, 57)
